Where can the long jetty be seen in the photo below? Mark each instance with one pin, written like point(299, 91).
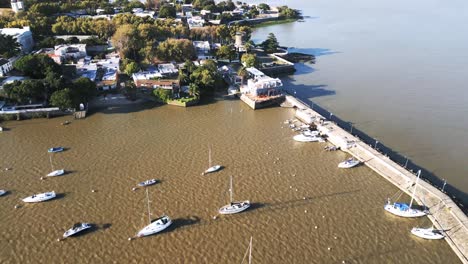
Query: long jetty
point(445, 214)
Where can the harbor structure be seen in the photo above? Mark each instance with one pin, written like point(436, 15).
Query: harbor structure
point(261, 90)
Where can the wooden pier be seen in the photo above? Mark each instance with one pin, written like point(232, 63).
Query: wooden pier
point(445, 214)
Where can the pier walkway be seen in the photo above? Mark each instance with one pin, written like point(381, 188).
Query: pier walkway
point(445, 214)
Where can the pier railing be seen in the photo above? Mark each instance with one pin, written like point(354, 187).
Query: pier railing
point(457, 195)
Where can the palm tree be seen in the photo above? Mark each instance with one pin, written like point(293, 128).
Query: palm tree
point(242, 72)
point(194, 90)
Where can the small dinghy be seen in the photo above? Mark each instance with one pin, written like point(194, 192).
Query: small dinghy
point(147, 183)
point(305, 138)
point(66, 123)
point(55, 149)
point(233, 207)
point(2, 192)
point(77, 228)
point(56, 173)
point(349, 163)
point(41, 197)
point(428, 233)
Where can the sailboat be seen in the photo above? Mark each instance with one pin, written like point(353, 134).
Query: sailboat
point(428, 233)
point(403, 209)
point(54, 172)
point(156, 225)
point(234, 207)
point(211, 168)
point(249, 251)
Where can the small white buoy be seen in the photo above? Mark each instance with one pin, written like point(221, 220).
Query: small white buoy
point(296, 190)
point(58, 239)
point(93, 190)
point(130, 239)
point(294, 175)
point(329, 248)
point(323, 216)
point(305, 211)
point(279, 172)
point(42, 178)
point(215, 217)
point(290, 187)
point(274, 162)
point(335, 237)
point(316, 227)
point(267, 153)
point(17, 206)
point(7, 169)
point(343, 262)
point(134, 189)
point(303, 198)
point(277, 158)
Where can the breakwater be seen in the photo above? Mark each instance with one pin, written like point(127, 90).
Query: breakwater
point(445, 214)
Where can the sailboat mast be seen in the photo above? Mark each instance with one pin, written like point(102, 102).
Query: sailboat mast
point(231, 191)
point(250, 251)
point(149, 212)
point(209, 157)
point(414, 191)
point(51, 165)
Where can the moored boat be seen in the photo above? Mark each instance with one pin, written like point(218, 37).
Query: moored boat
point(2, 192)
point(349, 163)
point(234, 207)
point(305, 138)
point(40, 197)
point(156, 225)
point(55, 149)
point(211, 168)
point(428, 233)
point(77, 228)
point(56, 173)
point(147, 183)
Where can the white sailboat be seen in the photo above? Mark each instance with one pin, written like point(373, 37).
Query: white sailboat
point(428, 233)
point(156, 225)
point(249, 251)
point(77, 228)
point(234, 207)
point(349, 163)
point(211, 168)
point(2, 192)
point(54, 172)
point(306, 138)
point(403, 209)
point(40, 197)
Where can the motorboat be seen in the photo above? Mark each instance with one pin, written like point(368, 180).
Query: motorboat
point(2, 192)
point(211, 168)
point(304, 138)
point(403, 209)
point(55, 149)
point(56, 173)
point(66, 123)
point(156, 225)
point(77, 228)
point(234, 207)
point(428, 233)
point(41, 197)
point(147, 183)
point(349, 163)
point(310, 133)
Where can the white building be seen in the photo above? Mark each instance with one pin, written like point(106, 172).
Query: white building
point(17, 5)
point(22, 35)
point(195, 22)
point(202, 47)
point(5, 66)
point(70, 51)
point(261, 85)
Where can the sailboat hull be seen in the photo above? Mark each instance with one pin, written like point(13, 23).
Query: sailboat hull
point(213, 169)
point(156, 226)
point(427, 233)
point(408, 213)
point(234, 207)
point(56, 173)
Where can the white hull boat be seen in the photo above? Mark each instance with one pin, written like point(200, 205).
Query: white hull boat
point(311, 133)
point(428, 233)
point(213, 169)
point(156, 226)
point(304, 138)
point(56, 173)
point(77, 228)
point(349, 163)
point(234, 207)
point(55, 149)
point(403, 209)
point(147, 183)
point(41, 197)
point(2, 192)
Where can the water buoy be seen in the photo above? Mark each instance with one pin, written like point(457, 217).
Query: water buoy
point(93, 190)
point(294, 175)
point(335, 237)
point(343, 262)
point(303, 198)
point(134, 189)
point(316, 227)
point(305, 211)
point(42, 178)
point(17, 206)
point(7, 169)
point(323, 216)
point(277, 158)
point(215, 217)
point(130, 239)
point(296, 190)
point(290, 187)
point(58, 239)
point(329, 248)
point(279, 172)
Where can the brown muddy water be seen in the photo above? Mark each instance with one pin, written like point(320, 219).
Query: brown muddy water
point(302, 203)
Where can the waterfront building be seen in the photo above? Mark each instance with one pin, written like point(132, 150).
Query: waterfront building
point(22, 35)
point(261, 85)
point(168, 69)
point(203, 49)
point(17, 5)
point(70, 51)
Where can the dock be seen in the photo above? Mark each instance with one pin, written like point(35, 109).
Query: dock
point(445, 214)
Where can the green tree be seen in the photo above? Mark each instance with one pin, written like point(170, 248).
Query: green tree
point(127, 42)
point(242, 72)
point(249, 60)
point(270, 45)
point(167, 11)
point(9, 47)
point(62, 99)
point(175, 50)
point(194, 90)
point(131, 68)
point(37, 65)
point(264, 6)
point(286, 12)
point(83, 90)
point(162, 95)
point(226, 52)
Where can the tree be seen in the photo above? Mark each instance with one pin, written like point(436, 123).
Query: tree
point(286, 12)
point(62, 99)
point(242, 72)
point(194, 90)
point(131, 68)
point(83, 90)
point(270, 45)
point(162, 95)
point(175, 50)
point(167, 11)
point(264, 6)
point(9, 47)
point(226, 52)
point(126, 40)
point(37, 65)
point(249, 60)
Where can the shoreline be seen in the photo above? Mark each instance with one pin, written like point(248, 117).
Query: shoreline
point(449, 216)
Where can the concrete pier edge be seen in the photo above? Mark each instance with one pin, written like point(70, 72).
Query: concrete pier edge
point(445, 214)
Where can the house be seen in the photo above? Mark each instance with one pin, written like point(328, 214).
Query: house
point(195, 22)
point(104, 72)
point(22, 35)
point(261, 85)
point(71, 51)
point(173, 85)
point(17, 5)
point(5, 66)
point(51, 53)
point(168, 69)
point(202, 47)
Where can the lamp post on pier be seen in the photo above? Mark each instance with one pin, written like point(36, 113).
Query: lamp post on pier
point(331, 114)
point(375, 145)
point(443, 186)
point(351, 130)
point(406, 163)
